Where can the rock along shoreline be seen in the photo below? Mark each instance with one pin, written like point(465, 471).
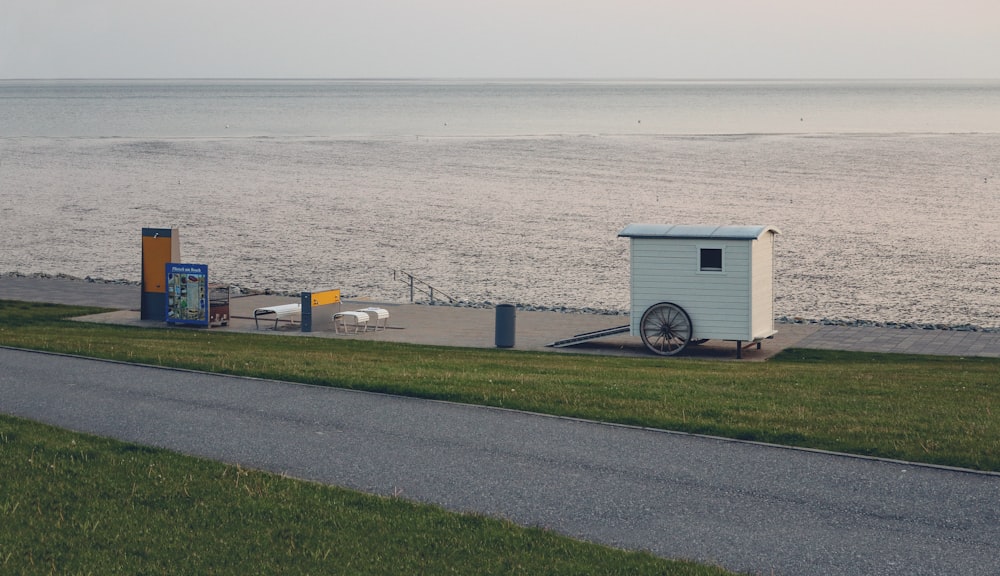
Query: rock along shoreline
point(236, 290)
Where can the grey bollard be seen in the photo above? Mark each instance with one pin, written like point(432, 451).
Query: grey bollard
point(505, 325)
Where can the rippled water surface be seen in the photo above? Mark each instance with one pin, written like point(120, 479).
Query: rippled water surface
point(887, 195)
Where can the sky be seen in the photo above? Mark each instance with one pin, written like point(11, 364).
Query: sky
point(614, 39)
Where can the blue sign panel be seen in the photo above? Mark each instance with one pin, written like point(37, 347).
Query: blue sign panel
point(187, 294)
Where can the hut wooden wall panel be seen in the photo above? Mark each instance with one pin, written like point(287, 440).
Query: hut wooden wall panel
point(718, 302)
point(763, 285)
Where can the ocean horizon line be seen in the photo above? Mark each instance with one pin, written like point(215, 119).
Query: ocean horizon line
point(506, 79)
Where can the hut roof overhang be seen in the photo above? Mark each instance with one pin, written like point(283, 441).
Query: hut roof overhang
point(696, 231)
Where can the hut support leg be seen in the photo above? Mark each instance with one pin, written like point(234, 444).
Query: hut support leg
point(739, 348)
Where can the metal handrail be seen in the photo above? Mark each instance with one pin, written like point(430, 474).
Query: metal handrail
point(418, 285)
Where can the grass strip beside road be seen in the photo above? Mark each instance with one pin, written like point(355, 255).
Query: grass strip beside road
point(940, 410)
point(77, 504)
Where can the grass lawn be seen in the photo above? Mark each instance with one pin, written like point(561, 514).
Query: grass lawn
point(940, 410)
point(77, 504)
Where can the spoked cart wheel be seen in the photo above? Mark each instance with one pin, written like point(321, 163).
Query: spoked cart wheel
point(666, 329)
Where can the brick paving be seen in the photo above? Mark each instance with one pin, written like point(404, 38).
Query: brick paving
point(904, 341)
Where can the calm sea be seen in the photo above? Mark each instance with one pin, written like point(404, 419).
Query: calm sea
point(887, 193)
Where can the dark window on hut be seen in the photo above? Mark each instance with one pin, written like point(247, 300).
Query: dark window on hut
point(711, 259)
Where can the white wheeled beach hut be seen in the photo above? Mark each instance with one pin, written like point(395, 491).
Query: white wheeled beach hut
point(691, 283)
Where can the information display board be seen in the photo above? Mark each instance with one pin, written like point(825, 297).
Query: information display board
point(187, 294)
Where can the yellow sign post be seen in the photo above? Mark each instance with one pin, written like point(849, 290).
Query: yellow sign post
point(312, 300)
point(325, 297)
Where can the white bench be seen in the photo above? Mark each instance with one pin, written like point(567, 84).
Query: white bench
point(340, 321)
point(279, 311)
point(378, 314)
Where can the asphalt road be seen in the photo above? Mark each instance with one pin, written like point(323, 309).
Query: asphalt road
point(748, 507)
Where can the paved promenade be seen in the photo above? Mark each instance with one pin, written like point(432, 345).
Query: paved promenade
point(471, 327)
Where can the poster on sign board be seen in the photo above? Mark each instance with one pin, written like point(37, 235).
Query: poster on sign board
point(187, 294)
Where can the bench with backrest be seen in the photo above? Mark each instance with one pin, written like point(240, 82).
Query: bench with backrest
point(279, 311)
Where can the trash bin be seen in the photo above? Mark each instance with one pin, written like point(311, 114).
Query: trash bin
point(505, 326)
